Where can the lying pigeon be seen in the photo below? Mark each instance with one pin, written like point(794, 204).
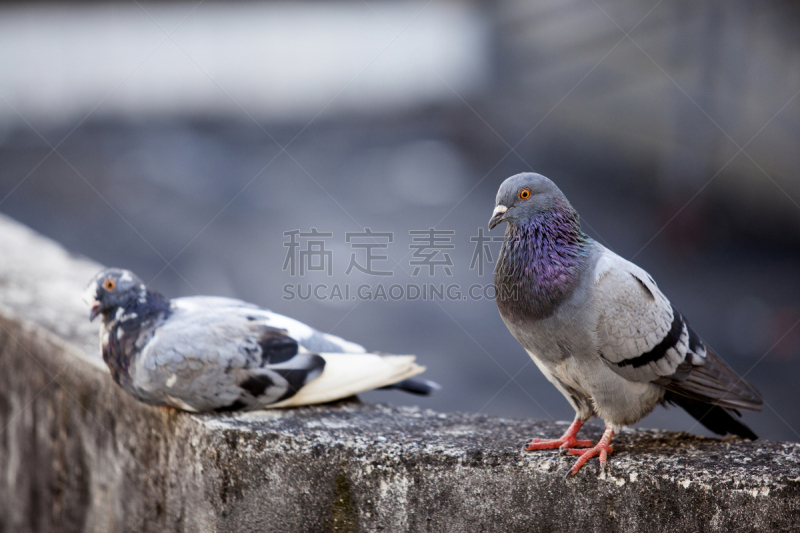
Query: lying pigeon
point(598, 328)
point(220, 354)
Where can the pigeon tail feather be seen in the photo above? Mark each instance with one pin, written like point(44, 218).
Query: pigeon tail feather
point(418, 386)
point(716, 383)
point(348, 374)
point(713, 417)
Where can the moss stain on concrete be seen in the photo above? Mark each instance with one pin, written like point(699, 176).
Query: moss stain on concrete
point(344, 515)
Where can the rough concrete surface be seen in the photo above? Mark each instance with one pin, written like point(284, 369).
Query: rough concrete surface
point(77, 454)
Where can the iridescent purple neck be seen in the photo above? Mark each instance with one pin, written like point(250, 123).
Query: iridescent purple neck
point(543, 258)
point(124, 327)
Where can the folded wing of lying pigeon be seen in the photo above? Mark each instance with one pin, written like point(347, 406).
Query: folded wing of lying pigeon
point(212, 353)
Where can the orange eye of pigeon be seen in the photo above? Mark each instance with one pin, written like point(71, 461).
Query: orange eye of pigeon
point(525, 194)
point(109, 284)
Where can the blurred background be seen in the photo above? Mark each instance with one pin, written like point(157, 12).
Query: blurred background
point(182, 140)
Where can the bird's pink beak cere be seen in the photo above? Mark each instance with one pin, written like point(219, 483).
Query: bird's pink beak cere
point(497, 216)
point(90, 297)
point(94, 310)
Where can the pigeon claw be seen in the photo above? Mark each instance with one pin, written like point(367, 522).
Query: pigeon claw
point(601, 449)
point(566, 442)
point(563, 444)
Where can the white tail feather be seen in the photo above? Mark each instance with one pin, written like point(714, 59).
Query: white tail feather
point(346, 374)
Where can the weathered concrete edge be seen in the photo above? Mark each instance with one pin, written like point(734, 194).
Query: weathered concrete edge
point(78, 454)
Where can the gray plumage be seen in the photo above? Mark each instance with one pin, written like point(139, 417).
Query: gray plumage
point(209, 353)
point(596, 325)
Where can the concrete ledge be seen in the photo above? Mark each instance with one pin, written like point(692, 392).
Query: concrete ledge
point(77, 454)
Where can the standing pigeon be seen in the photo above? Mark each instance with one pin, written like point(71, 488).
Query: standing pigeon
point(598, 328)
point(220, 354)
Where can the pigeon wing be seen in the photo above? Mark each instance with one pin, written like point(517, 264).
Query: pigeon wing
point(219, 353)
point(308, 337)
point(644, 338)
point(207, 357)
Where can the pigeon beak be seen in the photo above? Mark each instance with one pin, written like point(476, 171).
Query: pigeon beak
point(95, 310)
point(498, 216)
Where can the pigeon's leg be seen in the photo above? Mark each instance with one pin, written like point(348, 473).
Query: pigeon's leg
point(602, 448)
point(566, 441)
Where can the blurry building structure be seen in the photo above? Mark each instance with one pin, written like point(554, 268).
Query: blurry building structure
point(676, 87)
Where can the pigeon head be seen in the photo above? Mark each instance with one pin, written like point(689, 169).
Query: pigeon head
point(112, 289)
point(544, 251)
point(524, 196)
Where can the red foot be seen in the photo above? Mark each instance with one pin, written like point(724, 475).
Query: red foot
point(602, 448)
point(566, 441)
